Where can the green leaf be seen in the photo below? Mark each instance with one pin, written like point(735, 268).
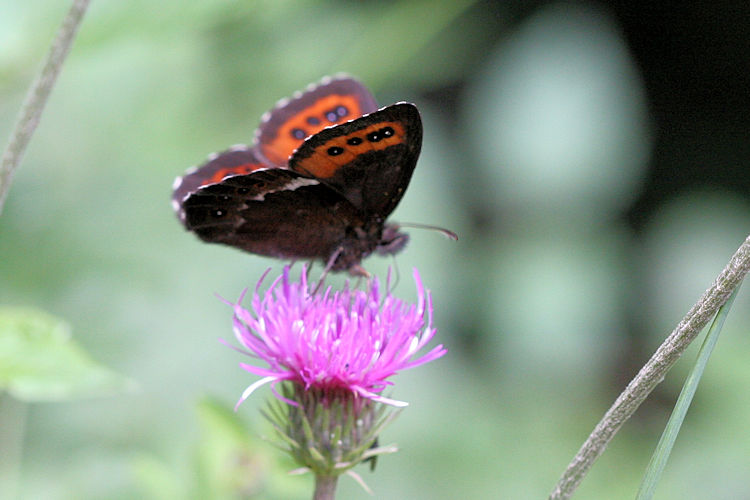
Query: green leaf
point(229, 462)
point(664, 447)
point(39, 361)
point(234, 463)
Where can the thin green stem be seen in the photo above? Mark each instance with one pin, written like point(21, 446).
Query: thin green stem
point(666, 442)
point(654, 371)
point(36, 98)
point(325, 487)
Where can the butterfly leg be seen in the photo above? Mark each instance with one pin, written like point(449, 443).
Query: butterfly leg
point(327, 268)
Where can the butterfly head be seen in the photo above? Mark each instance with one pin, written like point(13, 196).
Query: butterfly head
point(392, 240)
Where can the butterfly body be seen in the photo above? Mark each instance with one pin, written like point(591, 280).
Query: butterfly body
point(329, 199)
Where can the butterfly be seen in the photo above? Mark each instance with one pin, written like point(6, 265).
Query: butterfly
point(326, 169)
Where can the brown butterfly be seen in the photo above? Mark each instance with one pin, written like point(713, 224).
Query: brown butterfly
point(326, 170)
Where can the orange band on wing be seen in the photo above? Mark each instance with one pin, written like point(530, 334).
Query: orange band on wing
point(330, 156)
point(238, 170)
point(326, 111)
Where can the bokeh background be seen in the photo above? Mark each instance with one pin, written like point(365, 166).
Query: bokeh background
point(592, 157)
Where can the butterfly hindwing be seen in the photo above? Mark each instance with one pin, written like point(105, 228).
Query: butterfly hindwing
point(273, 212)
point(369, 160)
point(234, 161)
point(332, 101)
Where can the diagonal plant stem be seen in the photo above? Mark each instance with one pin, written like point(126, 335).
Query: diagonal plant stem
point(33, 105)
point(654, 371)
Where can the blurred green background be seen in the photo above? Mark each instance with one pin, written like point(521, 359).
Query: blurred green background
point(591, 156)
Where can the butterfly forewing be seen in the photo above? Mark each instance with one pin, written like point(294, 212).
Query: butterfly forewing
point(369, 160)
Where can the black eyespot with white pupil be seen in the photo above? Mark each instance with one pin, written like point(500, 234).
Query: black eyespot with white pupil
point(218, 213)
point(375, 136)
point(380, 134)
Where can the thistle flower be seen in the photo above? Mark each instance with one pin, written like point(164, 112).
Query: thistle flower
point(344, 340)
point(333, 353)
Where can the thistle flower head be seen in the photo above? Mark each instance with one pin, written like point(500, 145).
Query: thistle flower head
point(349, 340)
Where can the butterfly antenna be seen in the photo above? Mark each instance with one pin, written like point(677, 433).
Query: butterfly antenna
point(445, 232)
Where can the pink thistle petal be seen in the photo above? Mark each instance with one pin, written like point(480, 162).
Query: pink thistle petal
point(279, 396)
point(262, 371)
point(380, 399)
point(251, 388)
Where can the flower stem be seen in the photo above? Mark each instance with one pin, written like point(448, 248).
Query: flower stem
point(36, 98)
point(654, 371)
point(325, 487)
